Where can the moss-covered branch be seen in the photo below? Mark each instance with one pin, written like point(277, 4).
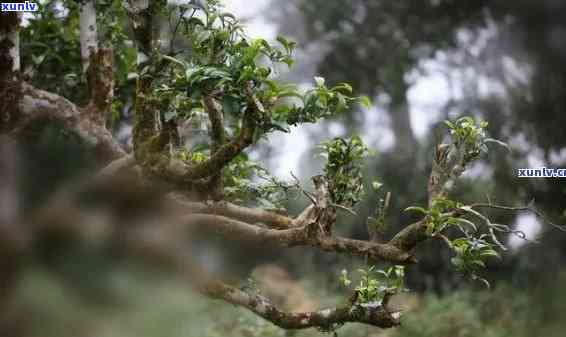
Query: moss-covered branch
point(218, 138)
point(327, 319)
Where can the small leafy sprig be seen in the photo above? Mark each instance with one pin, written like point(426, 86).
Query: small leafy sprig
point(343, 169)
point(468, 142)
point(472, 249)
point(376, 224)
point(468, 137)
point(470, 255)
point(375, 284)
point(440, 215)
point(319, 102)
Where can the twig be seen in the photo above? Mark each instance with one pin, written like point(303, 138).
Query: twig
point(522, 209)
point(344, 208)
point(307, 194)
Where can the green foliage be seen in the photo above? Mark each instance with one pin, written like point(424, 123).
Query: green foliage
point(473, 248)
point(111, 18)
point(50, 51)
point(343, 169)
point(470, 139)
point(468, 142)
point(112, 24)
point(376, 224)
point(240, 73)
point(221, 60)
point(470, 253)
point(375, 284)
point(468, 136)
point(319, 102)
point(438, 215)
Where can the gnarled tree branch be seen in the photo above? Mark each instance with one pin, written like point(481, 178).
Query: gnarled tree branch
point(39, 105)
point(327, 319)
point(230, 210)
point(308, 235)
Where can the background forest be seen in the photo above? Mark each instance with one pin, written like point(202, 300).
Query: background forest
point(420, 63)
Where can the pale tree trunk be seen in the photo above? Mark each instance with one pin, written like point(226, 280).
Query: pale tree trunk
point(405, 142)
point(89, 43)
point(15, 51)
point(14, 37)
point(398, 110)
